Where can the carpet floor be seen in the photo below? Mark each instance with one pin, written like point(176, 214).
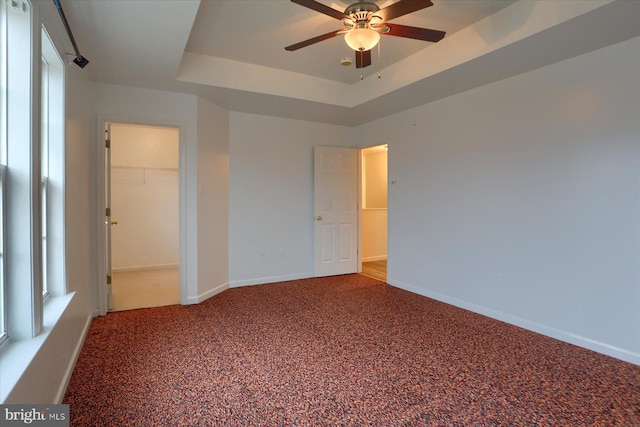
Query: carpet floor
point(338, 351)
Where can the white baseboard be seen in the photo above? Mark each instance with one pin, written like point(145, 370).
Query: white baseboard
point(597, 346)
point(374, 258)
point(270, 279)
point(208, 294)
point(72, 363)
point(145, 267)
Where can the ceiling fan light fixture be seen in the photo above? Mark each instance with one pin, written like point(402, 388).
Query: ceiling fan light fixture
point(362, 39)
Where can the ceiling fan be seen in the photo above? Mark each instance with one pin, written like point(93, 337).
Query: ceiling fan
point(364, 21)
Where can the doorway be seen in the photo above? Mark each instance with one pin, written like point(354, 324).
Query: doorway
point(144, 216)
point(374, 216)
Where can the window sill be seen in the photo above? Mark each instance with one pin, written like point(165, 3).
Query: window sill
point(16, 356)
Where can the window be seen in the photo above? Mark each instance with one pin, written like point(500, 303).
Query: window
point(23, 312)
point(44, 167)
point(52, 169)
point(33, 115)
point(3, 163)
point(31, 173)
point(33, 293)
point(3, 312)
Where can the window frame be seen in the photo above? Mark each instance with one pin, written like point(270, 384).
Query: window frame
point(32, 181)
point(3, 312)
point(43, 235)
point(52, 168)
point(44, 166)
point(3, 167)
point(23, 303)
point(29, 259)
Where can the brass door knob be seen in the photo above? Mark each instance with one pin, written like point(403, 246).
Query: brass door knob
point(114, 222)
point(318, 218)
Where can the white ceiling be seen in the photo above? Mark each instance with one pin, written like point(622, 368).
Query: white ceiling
point(256, 32)
point(232, 51)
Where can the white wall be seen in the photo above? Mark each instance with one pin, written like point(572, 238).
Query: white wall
point(144, 204)
point(374, 205)
point(135, 146)
point(144, 197)
point(204, 151)
point(123, 104)
point(520, 199)
point(374, 179)
point(213, 199)
point(374, 234)
point(271, 196)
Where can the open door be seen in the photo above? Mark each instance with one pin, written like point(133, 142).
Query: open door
point(107, 221)
point(107, 138)
point(336, 211)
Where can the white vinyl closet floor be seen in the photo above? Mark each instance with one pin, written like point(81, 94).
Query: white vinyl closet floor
point(146, 288)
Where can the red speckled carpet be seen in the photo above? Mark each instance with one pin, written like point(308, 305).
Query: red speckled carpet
point(338, 351)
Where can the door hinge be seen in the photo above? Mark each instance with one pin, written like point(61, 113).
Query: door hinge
point(107, 143)
point(108, 279)
point(107, 212)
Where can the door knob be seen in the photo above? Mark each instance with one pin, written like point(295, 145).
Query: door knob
point(318, 218)
point(114, 222)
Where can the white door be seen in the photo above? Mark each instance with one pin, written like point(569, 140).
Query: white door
point(107, 221)
point(336, 210)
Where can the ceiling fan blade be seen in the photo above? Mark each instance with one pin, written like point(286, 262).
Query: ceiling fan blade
point(414, 33)
point(402, 7)
point(313, 40)
point(319, 7)
point(363, 59)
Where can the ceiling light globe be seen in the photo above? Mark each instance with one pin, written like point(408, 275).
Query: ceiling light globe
point(362, 39)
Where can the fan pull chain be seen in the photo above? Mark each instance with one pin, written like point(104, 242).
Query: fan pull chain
point(379, 74)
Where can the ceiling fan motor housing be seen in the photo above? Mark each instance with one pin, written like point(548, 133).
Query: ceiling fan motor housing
point(361, 6)
point(360, 14)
